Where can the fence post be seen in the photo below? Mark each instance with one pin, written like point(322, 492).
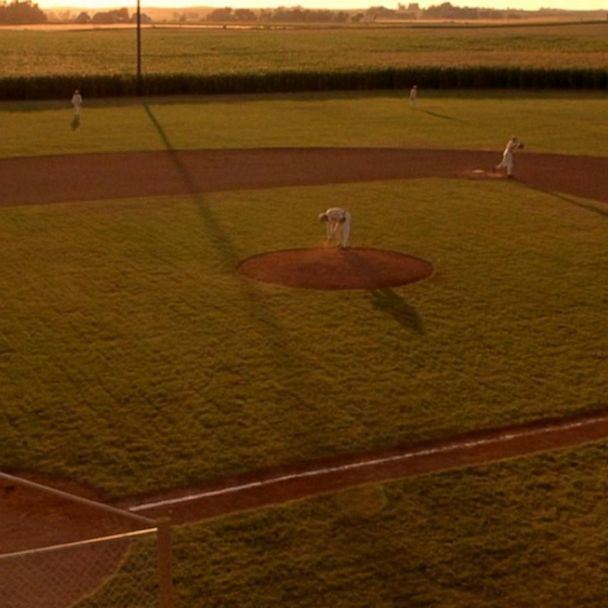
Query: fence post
point(165, 581)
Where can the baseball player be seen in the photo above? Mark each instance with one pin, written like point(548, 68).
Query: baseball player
point(413, 96)
point(77, 102)
point(507, 156)
point(337, 225)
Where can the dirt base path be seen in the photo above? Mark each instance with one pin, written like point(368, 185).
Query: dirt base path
point(50, 179)
point(57, 586)
point(282, 484)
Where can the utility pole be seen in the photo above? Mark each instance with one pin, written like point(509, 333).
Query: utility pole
point(138, 83)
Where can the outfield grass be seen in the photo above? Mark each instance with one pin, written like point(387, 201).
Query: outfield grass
point(547, 122)
point(134, 356)
point(260, 51)
point(528, 532)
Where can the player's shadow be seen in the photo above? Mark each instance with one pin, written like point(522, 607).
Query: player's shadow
point(603, 211)
point(391, 303)
point(438, 115)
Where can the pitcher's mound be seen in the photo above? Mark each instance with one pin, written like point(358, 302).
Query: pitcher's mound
point(333, 268)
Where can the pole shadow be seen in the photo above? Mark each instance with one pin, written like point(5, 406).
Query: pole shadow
point(278, 340)
point(391, 303)
point(219, 236)
point(562, 197)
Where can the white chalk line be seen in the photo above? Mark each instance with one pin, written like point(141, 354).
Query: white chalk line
point(415, 453)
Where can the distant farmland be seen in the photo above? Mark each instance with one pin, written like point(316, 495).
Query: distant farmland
point(255, 51)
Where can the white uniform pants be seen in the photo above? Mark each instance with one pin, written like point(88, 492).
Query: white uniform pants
point(506, 162)
point(339, 230)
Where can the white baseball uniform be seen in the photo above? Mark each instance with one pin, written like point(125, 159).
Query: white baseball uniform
point(338, 225)
point(413, 95)
point(507, 155)
point(76, 102)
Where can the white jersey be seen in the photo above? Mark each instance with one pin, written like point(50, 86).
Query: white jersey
point(338, 225)
point(512, 144)
point(336, 214)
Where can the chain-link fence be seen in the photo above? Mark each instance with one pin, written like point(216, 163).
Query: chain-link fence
point(59, 550)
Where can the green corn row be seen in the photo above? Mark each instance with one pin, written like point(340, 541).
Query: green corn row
point(57, 87)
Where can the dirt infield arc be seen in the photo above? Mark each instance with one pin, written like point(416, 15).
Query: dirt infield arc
point(87, 177)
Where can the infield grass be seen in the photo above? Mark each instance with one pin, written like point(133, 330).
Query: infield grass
point(187, 51)
point(135, 357)
point(547, 122)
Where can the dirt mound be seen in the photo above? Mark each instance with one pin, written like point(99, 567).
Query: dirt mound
point(336, 268)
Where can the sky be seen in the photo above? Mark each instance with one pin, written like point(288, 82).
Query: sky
point(333, 4)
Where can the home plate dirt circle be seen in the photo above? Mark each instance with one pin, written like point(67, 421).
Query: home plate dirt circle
point(335, 268)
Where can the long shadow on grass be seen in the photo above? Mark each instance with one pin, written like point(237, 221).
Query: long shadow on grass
point(387, 301)
point(570, 201)
point(285, 358)
point(391, 303)
point(220, 238)
point(221, 241)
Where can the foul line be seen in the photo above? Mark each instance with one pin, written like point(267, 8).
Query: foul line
point(370, 463)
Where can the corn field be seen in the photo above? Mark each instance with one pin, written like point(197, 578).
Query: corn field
point(44, 65)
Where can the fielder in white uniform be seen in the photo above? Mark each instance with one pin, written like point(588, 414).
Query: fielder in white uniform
point(413, 96)
point(337, 225)
point(77, 102)
point(507, 156)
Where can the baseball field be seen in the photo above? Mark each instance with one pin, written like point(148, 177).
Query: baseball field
point(136, 359)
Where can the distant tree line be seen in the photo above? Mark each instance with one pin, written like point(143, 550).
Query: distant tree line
point(26, 11)
point(447, 11)
point(412, 11)
point(281, 14)
point(21, 12)
point(120, 15)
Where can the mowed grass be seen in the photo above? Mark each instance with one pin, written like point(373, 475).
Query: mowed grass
point(546, 122)
point(511, 535)
point(528, 532)
point(135, 357)
point(187, 51)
